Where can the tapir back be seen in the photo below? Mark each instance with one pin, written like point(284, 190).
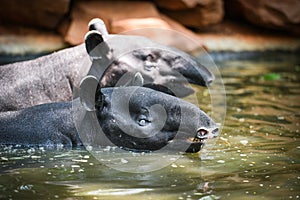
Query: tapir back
point(50, 78)
point(47, 125)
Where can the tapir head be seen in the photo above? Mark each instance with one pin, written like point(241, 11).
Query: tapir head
point(143, 119)
point(163, 68)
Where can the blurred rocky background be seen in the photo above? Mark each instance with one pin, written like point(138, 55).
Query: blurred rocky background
point(40, 26)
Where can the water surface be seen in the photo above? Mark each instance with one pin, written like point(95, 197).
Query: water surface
point(255, 157)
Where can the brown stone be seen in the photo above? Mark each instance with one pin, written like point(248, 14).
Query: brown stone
point(129, 17)
point(162, 30)
point(38, 13)
point(275, 14)
point(184, 39)
point(124, 25)
point(108, 11)
point(231, 36)
point(195, 13)
point(176, 4)
point(18, 40)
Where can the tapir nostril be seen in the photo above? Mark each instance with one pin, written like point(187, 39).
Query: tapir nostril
point(209, 81)
point(215, 131)
point(202, 132)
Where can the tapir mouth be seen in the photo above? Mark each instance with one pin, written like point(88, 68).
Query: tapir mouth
point(184, 91)
point(198, 141)
point(203, 134)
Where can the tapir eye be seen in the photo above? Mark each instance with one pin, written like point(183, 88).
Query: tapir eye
point(150, 57)
point(142, 120)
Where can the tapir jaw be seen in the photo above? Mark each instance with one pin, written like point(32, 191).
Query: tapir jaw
point(195, 73)
point(193, 144)
point(200, 138)
point(152, 121)
point(180, 90)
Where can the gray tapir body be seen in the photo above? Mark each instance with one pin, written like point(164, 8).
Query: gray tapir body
point(50, 78)
point(55, 77)
point(185, 127)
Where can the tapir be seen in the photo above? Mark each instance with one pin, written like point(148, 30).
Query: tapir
point(132, 118)
point(56, 77)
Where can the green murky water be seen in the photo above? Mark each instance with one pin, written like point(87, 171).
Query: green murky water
point(255, 157)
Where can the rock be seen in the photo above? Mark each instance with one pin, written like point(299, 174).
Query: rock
point(176, 4)
point(124, 25)
point(183, 38)
point(275, 14)
point(121, 18)
point(195, 13)
point(84, 11)
point(162, 30)
point(230, 36)
point(38, 13)
point(18, 40)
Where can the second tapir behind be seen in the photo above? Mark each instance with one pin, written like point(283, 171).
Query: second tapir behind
point(56, 77)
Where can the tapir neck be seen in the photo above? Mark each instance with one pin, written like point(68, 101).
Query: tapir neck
point(51, 78)
point(47, 125)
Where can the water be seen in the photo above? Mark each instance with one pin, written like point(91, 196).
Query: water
point(255, 157)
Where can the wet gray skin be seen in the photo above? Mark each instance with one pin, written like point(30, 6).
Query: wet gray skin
point(52, 125)
point(163, 68)
point(56, 77)
point(153, 122)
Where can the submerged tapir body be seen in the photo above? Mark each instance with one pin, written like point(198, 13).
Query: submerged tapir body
point(55, 77)
point(143, 127)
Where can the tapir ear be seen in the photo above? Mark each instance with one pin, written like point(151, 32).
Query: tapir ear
point(92, 39)
point(98, 25)
point(88, 87)
point(137, 80)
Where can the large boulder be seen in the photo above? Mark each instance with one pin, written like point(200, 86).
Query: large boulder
point(129, 17)
point(193, 13)
point(37, 13)
point(275, 14)
point(177, 4)
point(21, 43)
point(109, 11)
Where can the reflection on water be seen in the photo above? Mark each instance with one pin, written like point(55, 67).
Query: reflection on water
point(255, 157)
